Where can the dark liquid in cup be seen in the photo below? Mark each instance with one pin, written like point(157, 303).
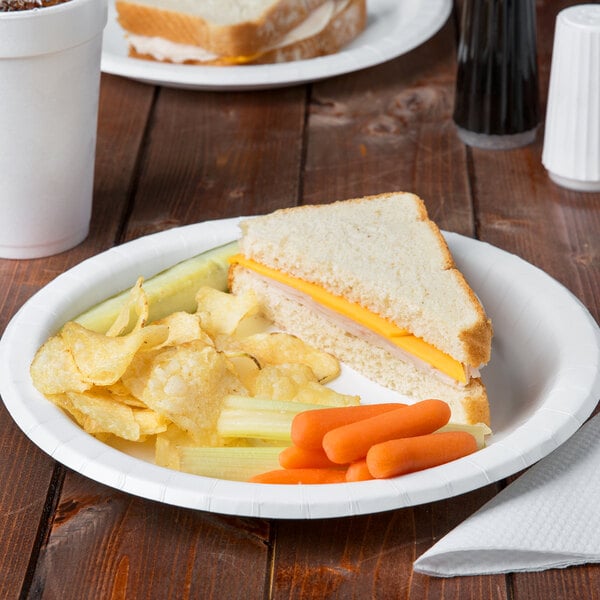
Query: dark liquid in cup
point(497, 78)
point(16, 5)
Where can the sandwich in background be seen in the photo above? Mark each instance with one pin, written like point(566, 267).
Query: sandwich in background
point(372, 281)
point(204, 32)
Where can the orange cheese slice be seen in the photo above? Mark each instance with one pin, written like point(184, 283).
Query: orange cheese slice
point(401, 338)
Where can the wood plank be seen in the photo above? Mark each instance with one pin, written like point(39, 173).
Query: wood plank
point(558, 584)
point(125, 109)
point(108, 544)
point(551, 227)
point(389, 128)
point(26, 473)
point(371, 556)
point(28, 469)
point(214, 155)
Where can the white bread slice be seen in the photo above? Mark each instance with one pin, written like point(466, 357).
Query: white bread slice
point(383, 253)
point(345, 20)
point(223, 27)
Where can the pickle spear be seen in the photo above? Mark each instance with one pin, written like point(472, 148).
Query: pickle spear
point(170, 290)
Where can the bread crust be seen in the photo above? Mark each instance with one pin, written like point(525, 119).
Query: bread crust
point(242, 39)
point(477, 339)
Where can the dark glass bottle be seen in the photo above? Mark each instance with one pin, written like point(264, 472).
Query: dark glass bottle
point(496, 101)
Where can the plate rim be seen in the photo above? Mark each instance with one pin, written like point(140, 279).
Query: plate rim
point(354, 57)
point(54, 433)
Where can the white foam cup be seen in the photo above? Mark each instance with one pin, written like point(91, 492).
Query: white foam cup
point(571, 152)
point(49, 88)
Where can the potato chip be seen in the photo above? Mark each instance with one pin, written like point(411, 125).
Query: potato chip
point(150, 422)
point(103, 415)
point(164, 454)
point(118, 389)
point(136, 302)
point(54, 371)
point(167, 442)
point(246, 368)
point(120, 393)
point(221, 313)
point(103, 359)
point(251, 325)
point(277, 348)
point(183, 327)
point(187, 383)
point(64, 402)
point(314, 393)
point(136, 375)
point(282, 382)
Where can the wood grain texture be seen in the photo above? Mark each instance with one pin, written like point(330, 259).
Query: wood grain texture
point(213, 155)
point(371, 556)
point(389, 128)
point(22, 502)
point(106, 544)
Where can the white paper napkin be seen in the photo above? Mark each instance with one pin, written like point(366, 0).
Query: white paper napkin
point(548, 518)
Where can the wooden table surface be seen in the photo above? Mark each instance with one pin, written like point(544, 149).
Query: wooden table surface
point(168, 157)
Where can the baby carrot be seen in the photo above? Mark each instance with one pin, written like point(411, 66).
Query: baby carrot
point(307, 476)
point(295, 457)
point(309, 427)
point(351, 442)
point(358, 471)
point(400, 456)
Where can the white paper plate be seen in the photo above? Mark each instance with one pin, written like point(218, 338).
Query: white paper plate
point(543, 382)
point(394, 27)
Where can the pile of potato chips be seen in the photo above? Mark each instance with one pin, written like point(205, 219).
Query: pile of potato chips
point(171, 377)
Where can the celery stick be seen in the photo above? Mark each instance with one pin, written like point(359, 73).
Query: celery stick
point(250, 423)
point(236, 464)
point(250, 403)
point(247, 417)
